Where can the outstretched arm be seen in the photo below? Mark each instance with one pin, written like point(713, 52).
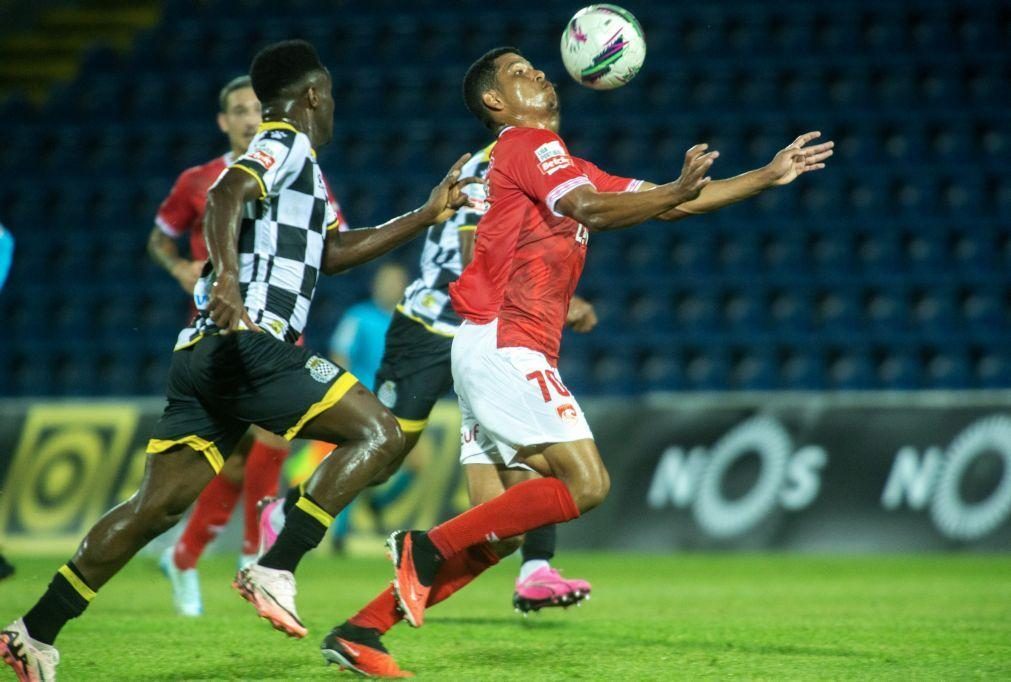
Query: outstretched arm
point(784, 168)
point(345, 250)
point(614, 210)
point(221, 230)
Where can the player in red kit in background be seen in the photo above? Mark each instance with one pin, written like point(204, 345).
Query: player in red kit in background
point(513, 298)
point(253, 470)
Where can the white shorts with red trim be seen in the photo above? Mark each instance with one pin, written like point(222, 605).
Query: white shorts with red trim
point(510, 398)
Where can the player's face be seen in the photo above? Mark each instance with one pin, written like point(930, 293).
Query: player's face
point(524, 90)
point(240, 119)
point(323, 113)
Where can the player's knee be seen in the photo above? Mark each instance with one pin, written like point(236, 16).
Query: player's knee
point(387, 438)
point(591, 491)
point(158, 514)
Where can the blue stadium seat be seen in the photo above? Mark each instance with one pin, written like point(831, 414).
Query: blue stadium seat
point(888, 270)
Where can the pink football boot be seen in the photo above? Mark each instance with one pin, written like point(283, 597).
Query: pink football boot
point(271, 521)
point(546, 587)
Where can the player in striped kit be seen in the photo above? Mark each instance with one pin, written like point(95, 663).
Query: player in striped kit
point(270, 232)
point(254, 468)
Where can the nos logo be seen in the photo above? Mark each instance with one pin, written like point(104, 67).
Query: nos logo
point(941, 480)
point(787, 479)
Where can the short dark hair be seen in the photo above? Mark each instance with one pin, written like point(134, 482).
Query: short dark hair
point(479, 79)
point(231, 86)
point(280, 65)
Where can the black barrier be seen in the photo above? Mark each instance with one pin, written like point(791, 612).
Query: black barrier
point(812, 473)
point(857, 472)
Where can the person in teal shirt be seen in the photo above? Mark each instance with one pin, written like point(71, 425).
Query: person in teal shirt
point(357, 343)
point(7, 255)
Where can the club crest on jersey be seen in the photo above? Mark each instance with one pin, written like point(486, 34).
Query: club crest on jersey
point(321, 369)
point(567, 413)
point(552, 157)
point(387, 394)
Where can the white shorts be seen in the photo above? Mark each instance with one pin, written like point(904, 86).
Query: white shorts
point(510, 398)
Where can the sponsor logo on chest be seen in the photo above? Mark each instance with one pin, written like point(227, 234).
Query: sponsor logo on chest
point(552, 157)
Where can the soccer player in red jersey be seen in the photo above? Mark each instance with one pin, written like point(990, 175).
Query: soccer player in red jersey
point(254, 468)
point(513, 298)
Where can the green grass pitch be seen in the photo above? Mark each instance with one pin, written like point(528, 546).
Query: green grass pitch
point(652, 617)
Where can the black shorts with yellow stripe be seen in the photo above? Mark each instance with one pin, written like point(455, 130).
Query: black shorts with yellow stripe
point(221, 385)
point(415, 371)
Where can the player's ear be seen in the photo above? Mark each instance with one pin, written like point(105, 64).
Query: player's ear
point(222, 122)
point(312, 95)
point(492, 100)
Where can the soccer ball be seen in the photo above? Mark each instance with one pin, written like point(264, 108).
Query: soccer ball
point(603, 47)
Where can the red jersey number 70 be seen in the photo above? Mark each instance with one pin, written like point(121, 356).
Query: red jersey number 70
point(542, 383)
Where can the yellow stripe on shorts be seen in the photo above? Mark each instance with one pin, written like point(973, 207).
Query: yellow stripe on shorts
point(332, 397)
point(205, 447)
point(412, 425)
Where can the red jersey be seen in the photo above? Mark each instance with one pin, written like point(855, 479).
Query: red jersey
point(528, 258)
point(183, 209)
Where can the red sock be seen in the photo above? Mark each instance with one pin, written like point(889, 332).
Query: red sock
point(210, 514)
point(263, 469)
point(455, 573)
point(528, 505)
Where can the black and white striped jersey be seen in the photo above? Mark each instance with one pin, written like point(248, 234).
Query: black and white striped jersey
point(426, 299)
point(281, 236)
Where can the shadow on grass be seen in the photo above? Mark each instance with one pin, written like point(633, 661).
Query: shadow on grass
point(532, 621)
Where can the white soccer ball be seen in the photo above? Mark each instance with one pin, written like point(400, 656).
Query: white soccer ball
point(603, 47)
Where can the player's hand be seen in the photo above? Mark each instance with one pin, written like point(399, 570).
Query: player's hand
point(694, 172)
point(226, 308)
point(797, 158)
point(187, 272)
point(448, 195)
point(581, 317)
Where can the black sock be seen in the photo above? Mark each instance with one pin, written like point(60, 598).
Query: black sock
point(304, 528)
point(66, 597)
point(290, 498)
point(540, 543)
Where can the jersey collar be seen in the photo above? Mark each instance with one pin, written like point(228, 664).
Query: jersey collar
point(282, 125)
point(276, 125)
